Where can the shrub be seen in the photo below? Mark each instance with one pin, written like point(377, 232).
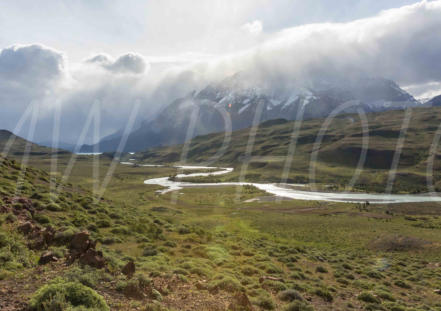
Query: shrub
point(3, 240)
point(65, 236)
point(385, 295)
point(374, 274)
point(150, 251)
point(298, 306)
point(266, 303)
point(226, 283)
point(402, 284)
point(249, 270)
point(42, 219)
point(290, 295)
point(54, 207)
point(62, 295)
point(321, 269)
point(368, 297)
point(324, 294)
point(275, 286)
point(11, 218)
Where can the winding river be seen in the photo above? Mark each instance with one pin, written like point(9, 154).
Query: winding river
point(284, 191)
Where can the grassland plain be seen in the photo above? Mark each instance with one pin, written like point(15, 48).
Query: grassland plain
point(205, 250)
point(337, 155)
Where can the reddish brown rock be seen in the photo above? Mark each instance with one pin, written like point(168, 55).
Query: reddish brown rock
point(129, 269)
point(47, 257)
point(81, 242)
point(93, 258)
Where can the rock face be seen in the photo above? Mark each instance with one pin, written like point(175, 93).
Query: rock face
point(129, 269)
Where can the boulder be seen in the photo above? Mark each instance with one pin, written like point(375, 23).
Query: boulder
point(47, 257)
point(81, 242)
point(93, 258)
point(26, 227)
point(129, 269)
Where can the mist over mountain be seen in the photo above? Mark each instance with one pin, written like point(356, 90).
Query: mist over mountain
point(434, 102)
point(235, 103)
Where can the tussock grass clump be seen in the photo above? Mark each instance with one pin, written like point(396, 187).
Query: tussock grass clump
point(298, 306)
point(368, 297)
point(225, 283)
point(325, 294)
point(290, 295)
point(264, 301)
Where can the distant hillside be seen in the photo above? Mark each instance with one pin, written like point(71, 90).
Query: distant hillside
point(18, 146)
point(338, 153)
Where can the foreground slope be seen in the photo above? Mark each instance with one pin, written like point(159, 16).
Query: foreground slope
point(207, 249)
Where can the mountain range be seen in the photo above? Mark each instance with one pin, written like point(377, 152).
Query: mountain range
point(235, 103)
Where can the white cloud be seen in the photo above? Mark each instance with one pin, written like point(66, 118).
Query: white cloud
point(254, 28)
point(128, 63)
point(31, 66)
point(402, 44)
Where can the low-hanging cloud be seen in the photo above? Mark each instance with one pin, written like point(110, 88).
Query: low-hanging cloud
point(128, 63)
point(402, 44)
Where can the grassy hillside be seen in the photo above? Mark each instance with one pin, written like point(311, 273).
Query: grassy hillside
point(338, 154)
point(16, 146)
point(202, 249)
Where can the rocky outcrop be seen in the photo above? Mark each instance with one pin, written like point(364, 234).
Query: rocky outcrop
point(82, 247)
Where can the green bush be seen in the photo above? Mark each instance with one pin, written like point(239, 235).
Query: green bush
point(324, 294)
point(54, 207)
point(265, 302)
point(42, 219)
point(402, 284)
point(298, 306)
point(226, 283)
point(385, 295)
point(290, 295)
point(63, 295)
point(368, 297)
point(321, 269)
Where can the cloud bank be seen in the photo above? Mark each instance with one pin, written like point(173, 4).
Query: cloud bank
point(402, 44)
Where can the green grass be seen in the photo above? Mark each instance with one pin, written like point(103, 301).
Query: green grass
point(325, 255)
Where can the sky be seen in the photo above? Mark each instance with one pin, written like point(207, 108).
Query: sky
point(70, 54)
